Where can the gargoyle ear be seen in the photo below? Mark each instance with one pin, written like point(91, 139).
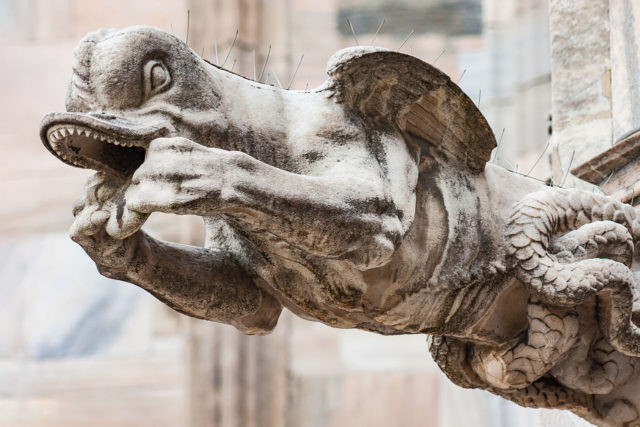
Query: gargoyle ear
point(157, 78)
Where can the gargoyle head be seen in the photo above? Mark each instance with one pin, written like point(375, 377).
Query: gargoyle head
point(128, 88)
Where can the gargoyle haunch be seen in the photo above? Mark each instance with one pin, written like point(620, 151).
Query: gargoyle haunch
point(365, 203)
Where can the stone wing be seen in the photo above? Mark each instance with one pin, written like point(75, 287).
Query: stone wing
point(393, 89)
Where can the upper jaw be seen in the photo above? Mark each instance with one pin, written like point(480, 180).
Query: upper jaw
point(103, 142)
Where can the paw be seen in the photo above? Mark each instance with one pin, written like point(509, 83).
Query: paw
point(92, 212)
point(178, 176)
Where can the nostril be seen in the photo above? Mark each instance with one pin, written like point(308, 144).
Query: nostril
point(104, 116)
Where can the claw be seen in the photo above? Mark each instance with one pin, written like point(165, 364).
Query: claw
point(123, 224)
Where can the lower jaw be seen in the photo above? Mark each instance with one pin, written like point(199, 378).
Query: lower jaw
point(103, 142)
point(84, 147)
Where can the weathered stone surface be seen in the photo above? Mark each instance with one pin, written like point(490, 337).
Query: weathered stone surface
point(366, 203)
point(581, 83)
point(615, 170)
point(625, 66)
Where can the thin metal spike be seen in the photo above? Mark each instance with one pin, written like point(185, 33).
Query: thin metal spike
point(539, 157)
point(406, 39)
point(265, 65)
point(509, 167)
point(606, 180)
point(495, 155)
point(275, 76)
point(215, 46)
point(461, 75)
point(254, 65)
point(266, 80)
point(307, 86)
point(566, 174)
point(234, 64)
point(188, 19)
point(375, 36)
point(230, 49)
point(202, 54)
point(353, 32)
point(295, 72)
point(438, 57)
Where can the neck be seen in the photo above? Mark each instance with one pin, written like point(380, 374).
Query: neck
point(257, 118)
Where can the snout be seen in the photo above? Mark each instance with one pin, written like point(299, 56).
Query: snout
point(99, 141)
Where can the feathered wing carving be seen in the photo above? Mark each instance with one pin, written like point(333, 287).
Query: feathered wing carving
point(394, 89)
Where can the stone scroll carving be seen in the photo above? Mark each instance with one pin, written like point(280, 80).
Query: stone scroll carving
point(365, 203)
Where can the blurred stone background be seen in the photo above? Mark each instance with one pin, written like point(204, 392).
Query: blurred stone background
point(77, 349)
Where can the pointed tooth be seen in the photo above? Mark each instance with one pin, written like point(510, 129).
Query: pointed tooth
point(87, 133)
point(63, 132)
point(72, 131)
point(57, 134)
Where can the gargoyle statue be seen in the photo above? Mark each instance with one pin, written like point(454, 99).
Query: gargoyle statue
point(365, 203)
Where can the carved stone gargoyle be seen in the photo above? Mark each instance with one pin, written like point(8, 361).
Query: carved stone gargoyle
point(365, 203)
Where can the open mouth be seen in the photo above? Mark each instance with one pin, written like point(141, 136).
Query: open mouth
point(101, 142)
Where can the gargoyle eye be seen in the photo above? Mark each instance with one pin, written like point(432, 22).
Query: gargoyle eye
point(157, 77)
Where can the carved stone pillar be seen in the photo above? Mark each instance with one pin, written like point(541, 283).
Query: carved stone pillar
point(625, 68)
point(580, 81)
point(615, 169)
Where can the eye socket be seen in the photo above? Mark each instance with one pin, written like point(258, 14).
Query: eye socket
point(156, 78)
